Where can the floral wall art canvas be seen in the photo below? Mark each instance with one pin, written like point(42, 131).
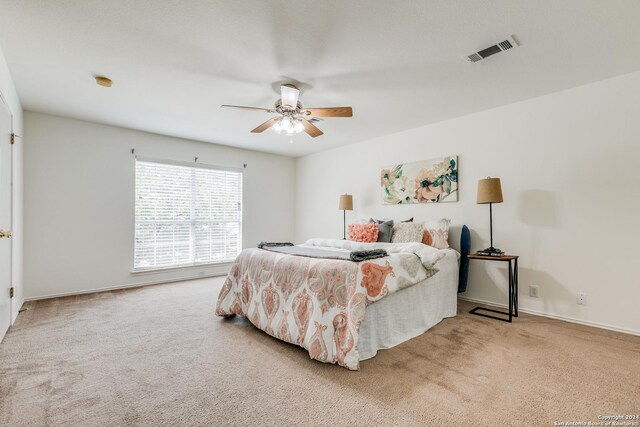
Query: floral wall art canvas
point(427, 181)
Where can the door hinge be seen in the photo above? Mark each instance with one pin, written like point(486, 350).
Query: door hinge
point(11, 292)
point(13, 138)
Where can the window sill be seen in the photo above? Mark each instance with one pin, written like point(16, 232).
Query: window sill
point(219, 265)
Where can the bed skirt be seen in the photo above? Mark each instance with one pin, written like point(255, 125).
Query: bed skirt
point(411, 312)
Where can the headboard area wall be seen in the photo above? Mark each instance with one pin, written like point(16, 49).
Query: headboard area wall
point(550, 153)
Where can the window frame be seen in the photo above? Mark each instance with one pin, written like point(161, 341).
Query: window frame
point(192, 222)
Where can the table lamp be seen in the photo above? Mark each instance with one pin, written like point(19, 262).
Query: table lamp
point(490, 191)
point(346, 204)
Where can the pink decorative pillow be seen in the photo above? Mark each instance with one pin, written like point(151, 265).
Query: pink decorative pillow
point(436, 233)
point(366, 233)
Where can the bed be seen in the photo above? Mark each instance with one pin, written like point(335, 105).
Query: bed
point(342, 311)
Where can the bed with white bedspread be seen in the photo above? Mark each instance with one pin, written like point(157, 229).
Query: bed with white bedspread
point(343, 311)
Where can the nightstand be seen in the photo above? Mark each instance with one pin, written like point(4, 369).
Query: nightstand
point(512, 260)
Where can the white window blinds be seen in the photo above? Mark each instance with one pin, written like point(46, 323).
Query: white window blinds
point(186, 214)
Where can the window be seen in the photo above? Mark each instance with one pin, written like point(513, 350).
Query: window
point(186, 214)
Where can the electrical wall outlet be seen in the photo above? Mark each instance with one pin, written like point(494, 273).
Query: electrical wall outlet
point(533, 291)
point(582, 299)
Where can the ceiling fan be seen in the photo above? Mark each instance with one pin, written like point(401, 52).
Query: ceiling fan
point(292, 118)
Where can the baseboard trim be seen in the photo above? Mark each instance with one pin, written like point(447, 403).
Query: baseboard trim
point(556, 316)
point(113, 288)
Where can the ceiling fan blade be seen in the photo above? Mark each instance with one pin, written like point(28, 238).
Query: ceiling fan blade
point(330, 112)
point(289, 96)
point(310, 128)
point(266, 125)
point(266, 110)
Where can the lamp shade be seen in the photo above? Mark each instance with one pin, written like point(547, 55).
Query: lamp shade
point(346, 202)
point(489, 191)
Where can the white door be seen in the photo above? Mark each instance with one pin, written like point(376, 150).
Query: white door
point(5, 218)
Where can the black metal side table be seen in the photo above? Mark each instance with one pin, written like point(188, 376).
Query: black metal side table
point(513, 287)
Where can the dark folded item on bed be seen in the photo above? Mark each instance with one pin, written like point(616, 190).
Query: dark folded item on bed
point(359, 256)
point(356, 256)
point(263, 245)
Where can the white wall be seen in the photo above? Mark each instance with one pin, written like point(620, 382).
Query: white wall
point(568, 163)
point(79, 203)
point(9, 94)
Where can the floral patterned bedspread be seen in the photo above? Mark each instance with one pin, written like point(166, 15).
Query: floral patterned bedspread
point(316, 303)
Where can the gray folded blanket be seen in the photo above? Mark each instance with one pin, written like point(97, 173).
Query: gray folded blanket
point(273, 244)
point(359, 256)
point(290, 249)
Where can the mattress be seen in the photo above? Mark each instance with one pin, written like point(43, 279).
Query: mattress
point(410, 312)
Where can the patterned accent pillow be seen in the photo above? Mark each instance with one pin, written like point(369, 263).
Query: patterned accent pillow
point(366, 233)
point(407, 232)
point(436, 233)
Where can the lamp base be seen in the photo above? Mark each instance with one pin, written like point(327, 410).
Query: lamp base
point(491, 251)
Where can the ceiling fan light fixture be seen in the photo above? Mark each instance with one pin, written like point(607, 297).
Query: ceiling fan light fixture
point(289, 125)
point(286, 123)
point(292, 117)
point(289, 96)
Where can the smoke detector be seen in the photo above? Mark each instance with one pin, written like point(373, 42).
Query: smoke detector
point(506, 44)
point(103, 81)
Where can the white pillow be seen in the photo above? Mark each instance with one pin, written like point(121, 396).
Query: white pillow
point(407, 232)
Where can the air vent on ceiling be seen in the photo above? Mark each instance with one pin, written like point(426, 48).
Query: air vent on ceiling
point(507, 44)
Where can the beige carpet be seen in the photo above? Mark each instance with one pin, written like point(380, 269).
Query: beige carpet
point(158, 356)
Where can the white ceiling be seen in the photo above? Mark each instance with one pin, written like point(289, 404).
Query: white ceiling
point(398, 64)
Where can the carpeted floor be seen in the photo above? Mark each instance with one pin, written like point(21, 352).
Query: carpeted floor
point(158, 356)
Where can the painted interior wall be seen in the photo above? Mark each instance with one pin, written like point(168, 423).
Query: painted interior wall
point(568, 163)
point(9, 94)
point(79, 204)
